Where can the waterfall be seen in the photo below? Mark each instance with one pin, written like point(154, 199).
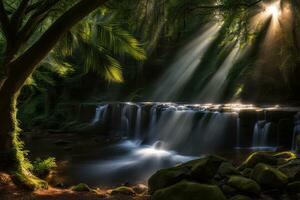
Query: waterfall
point(100, 113)
point(260, 133)
point(125, 118)
point(138, 124)
point(238, 131)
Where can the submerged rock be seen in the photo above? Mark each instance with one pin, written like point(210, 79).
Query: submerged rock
point(189, 190)
point(269, 177)
point(244, 185)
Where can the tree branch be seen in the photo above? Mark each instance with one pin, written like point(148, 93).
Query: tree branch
point(24, 65)
point(16, 18)
point(4, 20)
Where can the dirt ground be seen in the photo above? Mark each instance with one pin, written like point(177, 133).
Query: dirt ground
point(9, 191)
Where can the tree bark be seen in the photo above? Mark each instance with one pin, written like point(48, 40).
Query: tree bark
point(8, 130)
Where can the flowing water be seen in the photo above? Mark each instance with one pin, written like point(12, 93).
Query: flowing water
point(159, 135)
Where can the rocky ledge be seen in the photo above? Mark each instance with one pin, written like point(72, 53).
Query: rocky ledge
point(262, 176)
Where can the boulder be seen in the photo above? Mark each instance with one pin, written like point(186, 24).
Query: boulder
point(189, 190)
point(140, 188)
point(81, 187)
point(269, 177)
point(202, 170)
point(247, 172)
point(258, 157)
point(167, 177)
point(226, 169)
point(205, 169)
point(240, 197)
point(244, 185)
point(228, 190)
point(291, 169)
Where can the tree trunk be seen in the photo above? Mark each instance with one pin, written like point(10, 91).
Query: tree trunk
point(8, 130)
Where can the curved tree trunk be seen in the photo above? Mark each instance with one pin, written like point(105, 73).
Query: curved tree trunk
point(8, 130)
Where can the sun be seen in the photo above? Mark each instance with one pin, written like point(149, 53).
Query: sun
point(273, 10)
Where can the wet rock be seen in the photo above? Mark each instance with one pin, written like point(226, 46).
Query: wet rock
point(227, 168)
point(189, 190)
point(244, 185)
point(124, 190)
point(294, 187)
point(240, 197)
point(269, 177)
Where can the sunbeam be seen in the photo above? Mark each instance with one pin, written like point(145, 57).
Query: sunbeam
point(187, 60)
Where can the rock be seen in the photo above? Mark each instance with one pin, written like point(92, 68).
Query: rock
point(247, 172)
point(258, 157)
point(140, 188)
point(167, 177)
point(244, 185)
point(291, 169)
point(189, 190)
point(205, 169)
point(81, 187)
point(227, 168)
point(269, 177)
point(61, 142)
point(284, 157)
point(123, 190)
point(240, 197)
point(202, 170)
point(294, 187)
point(229, 190)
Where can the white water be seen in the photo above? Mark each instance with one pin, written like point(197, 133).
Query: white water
point(99, 114)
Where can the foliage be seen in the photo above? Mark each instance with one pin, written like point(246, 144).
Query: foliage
point(81, 187)
point(42, 168)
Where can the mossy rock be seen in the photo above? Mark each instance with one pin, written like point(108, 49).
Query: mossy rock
point(202, 170)
point(228, 190)
point(205, 169)
point(123, 190)
point(189, 190)
point(167, 177)
point(244, 185)
point(258, 157)
point(269, 177)
point(226, 169)
point(291, 169)
point(240, 197)
point(81, 187)
point(294, 187)
point(247, 172)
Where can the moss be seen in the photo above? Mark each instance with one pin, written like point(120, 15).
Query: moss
point(269, 177)
point(123, 190)
point(189, 190)
point(81, 187)
point(244, 185)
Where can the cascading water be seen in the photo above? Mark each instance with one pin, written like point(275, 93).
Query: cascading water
point(99, 114)
point(159, 135)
